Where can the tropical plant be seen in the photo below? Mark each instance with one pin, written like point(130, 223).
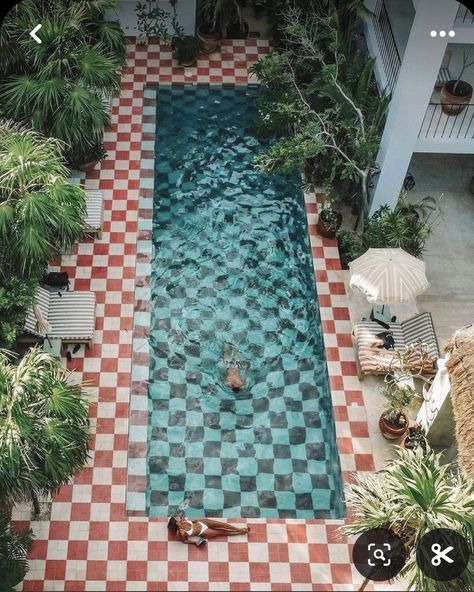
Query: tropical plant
point(58, 87)
point(219, 14)
point(407, 226)
point(155, 21)
point(187, 50)
point(415, 437)
point(41, 212)
point(14, 547)
point(465, 65)
point(330, 113)
point(16, 296)
point(44, 432)
point(397, 399)
point(412, 495)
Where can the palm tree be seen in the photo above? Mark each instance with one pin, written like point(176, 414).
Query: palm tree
point(41, 212)
point(58, 87)
point(412, 495)
point(14, 547)
point(44, 431)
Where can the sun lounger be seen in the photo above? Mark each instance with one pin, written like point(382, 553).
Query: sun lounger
point(69, 316)
point(95, 212)
point(415, 341)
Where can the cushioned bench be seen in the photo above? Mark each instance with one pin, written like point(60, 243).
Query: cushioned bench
point(415, 337)
point(69, 316)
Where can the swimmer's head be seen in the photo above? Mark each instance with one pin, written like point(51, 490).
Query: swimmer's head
point(236, 389)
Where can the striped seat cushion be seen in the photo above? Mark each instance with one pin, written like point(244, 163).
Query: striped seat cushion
point(420, 329)
point(72, 315)
point(95, 209)
point(42, 297)
point(366, 333)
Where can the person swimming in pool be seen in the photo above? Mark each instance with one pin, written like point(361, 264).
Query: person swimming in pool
point(197, 532)
point(233, 379)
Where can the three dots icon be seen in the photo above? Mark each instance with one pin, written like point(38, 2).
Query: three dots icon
point(442, 33)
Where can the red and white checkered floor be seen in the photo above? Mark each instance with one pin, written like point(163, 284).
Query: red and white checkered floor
point(90, 543)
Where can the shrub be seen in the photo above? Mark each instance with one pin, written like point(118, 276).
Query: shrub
point(16, 296)
point(406, 226)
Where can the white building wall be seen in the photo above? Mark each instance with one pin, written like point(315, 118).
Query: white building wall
point(186, 10)
point(416, 80)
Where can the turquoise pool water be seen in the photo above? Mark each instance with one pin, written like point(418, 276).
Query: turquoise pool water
point(232, 265)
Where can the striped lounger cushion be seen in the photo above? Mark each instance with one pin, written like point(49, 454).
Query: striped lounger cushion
point(95, 210)
point(70, 315)
point(366, 333)
point(419, 329)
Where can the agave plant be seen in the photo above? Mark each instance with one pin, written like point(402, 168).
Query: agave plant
point(41, 212)
point(412, 495)
point(58, 87)
point(14, 547)
point(44, 432)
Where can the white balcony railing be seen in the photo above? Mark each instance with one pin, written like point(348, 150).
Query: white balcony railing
point(445, 122)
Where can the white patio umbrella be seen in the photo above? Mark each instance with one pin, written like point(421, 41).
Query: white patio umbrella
point(388, 275)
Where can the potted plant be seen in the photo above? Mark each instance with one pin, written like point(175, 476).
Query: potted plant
point(414, 437)
point(412, 495)
point(457, 93)
point(329, 220)
point(87, 158)
point(215, 17)
point(393, 422)
point(186, 49)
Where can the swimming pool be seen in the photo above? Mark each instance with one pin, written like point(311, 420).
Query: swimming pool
point(232, 265)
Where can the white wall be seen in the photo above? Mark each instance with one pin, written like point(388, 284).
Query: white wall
point(186, 10)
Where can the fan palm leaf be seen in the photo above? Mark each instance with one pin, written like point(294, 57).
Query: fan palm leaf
point(41, 212)
point(98, 72)
point(14, 547)
point(413, 495)
point(43, 429)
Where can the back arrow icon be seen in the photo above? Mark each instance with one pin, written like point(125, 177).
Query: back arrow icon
point(34, 35)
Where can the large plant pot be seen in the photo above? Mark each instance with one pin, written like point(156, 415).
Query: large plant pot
point(209, 41)
point(407, 445)
point(88, 166)
point(236, 31)
point(325, 229)
point(392, 433)
point(453, 104)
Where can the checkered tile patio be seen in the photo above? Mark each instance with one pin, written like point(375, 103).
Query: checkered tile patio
point(90, 542)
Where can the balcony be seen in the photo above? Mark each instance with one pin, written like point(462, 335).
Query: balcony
point(444, 129)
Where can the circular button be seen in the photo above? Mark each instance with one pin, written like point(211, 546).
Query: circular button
point(442, 554)
point(379, 554)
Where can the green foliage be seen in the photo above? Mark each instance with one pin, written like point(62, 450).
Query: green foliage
point(41, 212)
point(155, 21)
point(320, 96)
point(44, 432)
point(14, 547)
point(219, 14)
point(58, 87)
point(414, 494)
point(187, 49)
point(397, 399)
point(16, 296)
point(407, 226)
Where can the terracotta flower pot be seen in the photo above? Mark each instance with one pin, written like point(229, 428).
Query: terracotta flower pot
point(452, 104)
point(390, 432)
point(325, 228)
point(209, 41)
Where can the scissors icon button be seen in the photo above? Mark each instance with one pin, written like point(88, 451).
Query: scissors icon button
point(440, 555)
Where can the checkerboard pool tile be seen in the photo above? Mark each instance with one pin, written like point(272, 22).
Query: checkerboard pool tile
point(91, 542)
